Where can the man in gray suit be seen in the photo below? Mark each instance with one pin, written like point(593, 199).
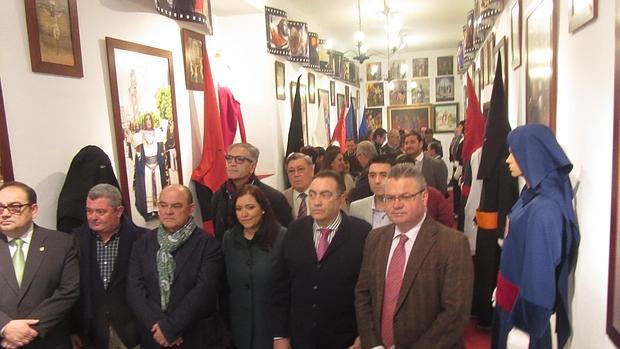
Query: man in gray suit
point(300, 170)
point(371, 209)
point(435, 171)
point(39, 275)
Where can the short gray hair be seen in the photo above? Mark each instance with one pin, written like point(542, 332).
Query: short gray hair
point(368, 149)
point(254, 152)
point(408, 170)
point(107, 191)
point(298, 156)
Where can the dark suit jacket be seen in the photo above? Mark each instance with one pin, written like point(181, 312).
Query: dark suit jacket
point(435, 172)
point(99, 308)
point(313, 301)
point(361, 189)
point(50, 286)
point(193, 294)
point(435, 297)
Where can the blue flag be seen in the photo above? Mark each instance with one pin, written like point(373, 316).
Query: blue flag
point(363, 126)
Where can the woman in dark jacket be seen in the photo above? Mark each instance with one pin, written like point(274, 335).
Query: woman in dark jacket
point(250, 251)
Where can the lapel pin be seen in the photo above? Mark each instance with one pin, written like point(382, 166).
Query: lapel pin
point(42, 248)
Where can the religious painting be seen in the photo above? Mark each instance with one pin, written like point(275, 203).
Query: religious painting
point(280, 81)
point(6, 166)
point(345, 70)
point(341, 105)
point(311, 89)
point(194, 52)
point(398, 92)
point(515, 34)
point(409, 117)
point(445, 117)
point(460, 58)
point(276, 25)
point(374, 117)
point(145, 123)
point(444, 89)
point(373, 71)
point(335, 62)
point(332, 92)
point(187, 10)
point(580, 12)
point(501, 50)
point(420, 91)
point(304, 107)
point(419, 67)
point(54, 37)
point(397, 70)
point(321, 136)
point(313, 51)
point(298, 42)
point(540, 77)
point(445, 65)
point(490, 44)
point(374, 94)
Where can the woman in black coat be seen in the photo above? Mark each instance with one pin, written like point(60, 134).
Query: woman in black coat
point(250, 251)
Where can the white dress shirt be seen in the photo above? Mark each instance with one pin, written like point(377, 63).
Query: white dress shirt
point(25, 246)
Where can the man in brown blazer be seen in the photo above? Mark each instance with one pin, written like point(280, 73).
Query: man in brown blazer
point(415, 284)
point(300, 170)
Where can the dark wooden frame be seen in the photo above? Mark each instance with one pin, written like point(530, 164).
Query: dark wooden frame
point(36, 61)
point(515, 47)
point(340, 103)
point(502, 48)
point(280, 88)
point(187, 34)
point(332, 93)
point(6, 165)
point(491, 64)
point(427, 107)
point(116, 44)
point(456, 122)
point(551, 87)
point(577, 21)
point(311, 88)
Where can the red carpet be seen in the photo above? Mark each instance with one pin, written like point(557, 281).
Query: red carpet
point(475, 338)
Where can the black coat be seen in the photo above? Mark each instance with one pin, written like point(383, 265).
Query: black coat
point(362, 188)
point(98, 308)
point(224, 213)
point(313, 302)
point(191, 312)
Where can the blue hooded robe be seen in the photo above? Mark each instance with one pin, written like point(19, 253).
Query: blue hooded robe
point(541, 243)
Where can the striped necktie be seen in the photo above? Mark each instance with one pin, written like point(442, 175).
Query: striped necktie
point(303, 207)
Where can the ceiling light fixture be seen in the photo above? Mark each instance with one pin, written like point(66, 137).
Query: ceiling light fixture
point(362, 48)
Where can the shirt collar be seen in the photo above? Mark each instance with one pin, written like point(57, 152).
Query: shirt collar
point(26, 237)
point(333, 225)
point(374, 208)
point(297, 193)
point(420, 157)
point(411, 233)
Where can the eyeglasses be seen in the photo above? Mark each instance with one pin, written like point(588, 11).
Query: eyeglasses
point(238, 159)
point(390, 199)
point(13, 208)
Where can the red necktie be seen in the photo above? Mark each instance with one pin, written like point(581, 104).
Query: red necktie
point(303, 208)
point(323, 243)
point(393, 282)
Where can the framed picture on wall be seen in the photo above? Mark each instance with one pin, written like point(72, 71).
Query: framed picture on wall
point(357, 96)
point(304, 106)
point(6, 166)
point(580, 12)
point(444, 88)
point(398, 93)
point(374, 94)
point(491, 63)
point(340, 103)
point(54, 37)
point(515, 34)
point(354, 103)
point(276, 26)
point(374, 116)
point(501, 50)
point(311, 89)
point(409, 117)
point(420, 91)
point(419, 67)
point(445, 117)
point(280, 81)
point(445, 65)
point(194, 52)
point(373, 71)
point(320, 135)
point(145, 124)
point(540, 89)
point(346, 95)
point(332, 92)
point(397, 70)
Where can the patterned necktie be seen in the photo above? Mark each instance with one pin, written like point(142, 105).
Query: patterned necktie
point(19, 261)
point(323, 243)
point(393, 282)
point(303, 208)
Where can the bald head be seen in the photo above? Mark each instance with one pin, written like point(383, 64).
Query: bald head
point(175, 206)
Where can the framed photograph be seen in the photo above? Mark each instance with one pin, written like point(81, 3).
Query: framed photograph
point(145, 123)
point(397, 70)
point(491, 64)
point(444, 88)
point(280, 81)
point(515, 34)
point(420, 91)
point(540, 89)
point(409, 117)
point(304, 107)
point(501, 49)
point(445, 65)
point(54, 37)
point(374, 116)
point(445, 117)
point(581, 12)
point(313, 50)
point(341, 104)
point(332, 92)
point(6, 166)
point(346, 95)
point(194, 52)
point(374, 94)
point(373, 71)
point(311, 89)
point(357, 96)
point(419, 67)
point(276, 25)
point(398, 93)
point(321, 135)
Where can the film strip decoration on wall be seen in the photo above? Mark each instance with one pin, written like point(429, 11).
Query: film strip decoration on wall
point(324, 62)
point(298, 41)
point(313, 51)
point(191, 11)
point(276, 24)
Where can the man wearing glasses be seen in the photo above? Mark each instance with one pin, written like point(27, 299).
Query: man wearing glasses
point(415, 284)
point(315, 276)
point(39, 278)
point(241, 160)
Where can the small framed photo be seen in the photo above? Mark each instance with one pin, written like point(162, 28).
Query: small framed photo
point(354, 103)
point(420, 91)
point(445, 65)
point(276, 25)
point(374, 116)
point(304, 107)
point(332, 93)
point(501, 49)
point(280, 81)
point(346, 95)
point(320, 135)
point(341, 103)
point(311, 88)
point(445, 117)
point(491, 64)
point(193, 55)
point(375, 94)
point(397, 70)
point(515, 34)
point(373, 71)
point(54, 37)
point(409, 117)
point(419, 67)
point(398, 93)
point(580, 12)
point(444, 88)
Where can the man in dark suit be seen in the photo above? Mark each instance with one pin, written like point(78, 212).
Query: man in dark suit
point(173, 278)
point(366, 151)
point(415, 285)
point(316, 273)
point(300, 169)
point(241, 161)
point(39, 279)
point(102, 317)
point(435, 171)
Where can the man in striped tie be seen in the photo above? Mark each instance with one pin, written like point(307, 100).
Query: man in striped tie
point(415, 285)
point(300, 169)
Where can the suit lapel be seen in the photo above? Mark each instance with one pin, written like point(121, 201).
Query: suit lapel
point(122, 255)
point(340, 237)
point(183, 254)
point(36, 254)
point(383, 252)
point(6, 265)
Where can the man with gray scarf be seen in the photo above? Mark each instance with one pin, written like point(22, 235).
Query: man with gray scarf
point(173, 278)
